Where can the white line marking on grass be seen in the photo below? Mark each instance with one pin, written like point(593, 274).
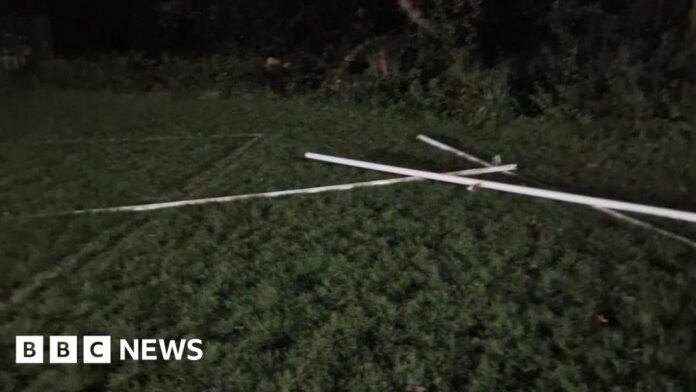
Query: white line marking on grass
point(613, 214)
point(144, 139)
point(193, 183)
point(225, 164)
point(268, 195)
point(94, 245)
point(516, 189)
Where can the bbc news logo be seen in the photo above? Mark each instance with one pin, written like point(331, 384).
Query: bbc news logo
point(97, 349)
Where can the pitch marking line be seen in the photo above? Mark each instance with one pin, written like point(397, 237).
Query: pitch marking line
point(194, 182)
point(269, 195)
point(91, 248)
point(133, 139)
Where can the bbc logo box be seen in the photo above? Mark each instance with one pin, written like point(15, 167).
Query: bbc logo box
point(63, 349)
point(29, 349)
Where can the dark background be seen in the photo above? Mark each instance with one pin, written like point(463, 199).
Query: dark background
point(82, 26)
point(578, 51)
point(85, 26)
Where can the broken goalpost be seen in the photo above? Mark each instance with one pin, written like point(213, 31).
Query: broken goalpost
point(614, 214)
point(516, 189)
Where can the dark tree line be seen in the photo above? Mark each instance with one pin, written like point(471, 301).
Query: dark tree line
point(574, 50)
point(501, 27)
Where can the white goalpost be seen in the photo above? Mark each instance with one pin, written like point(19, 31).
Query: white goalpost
point(516, 189)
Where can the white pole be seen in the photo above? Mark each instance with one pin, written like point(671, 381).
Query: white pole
point(459, 153)
point(520, 190)
point(614, 214)
point(270, 195)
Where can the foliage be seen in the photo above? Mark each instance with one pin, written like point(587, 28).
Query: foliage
point(270, 27)
point(577, 58)
point(580, 58)
point(620, 59)
point(13, 56)
point(136, 72)
point(377, 289)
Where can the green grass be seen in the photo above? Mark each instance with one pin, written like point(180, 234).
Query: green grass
point(372, 289)
point(89, 175)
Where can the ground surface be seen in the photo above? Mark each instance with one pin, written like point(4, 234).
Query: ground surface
point(375, 289)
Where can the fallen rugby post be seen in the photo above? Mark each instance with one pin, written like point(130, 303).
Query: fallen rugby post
point(614, 214)
point(515, 189)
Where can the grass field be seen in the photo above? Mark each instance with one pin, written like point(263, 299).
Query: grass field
point(374, 289)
